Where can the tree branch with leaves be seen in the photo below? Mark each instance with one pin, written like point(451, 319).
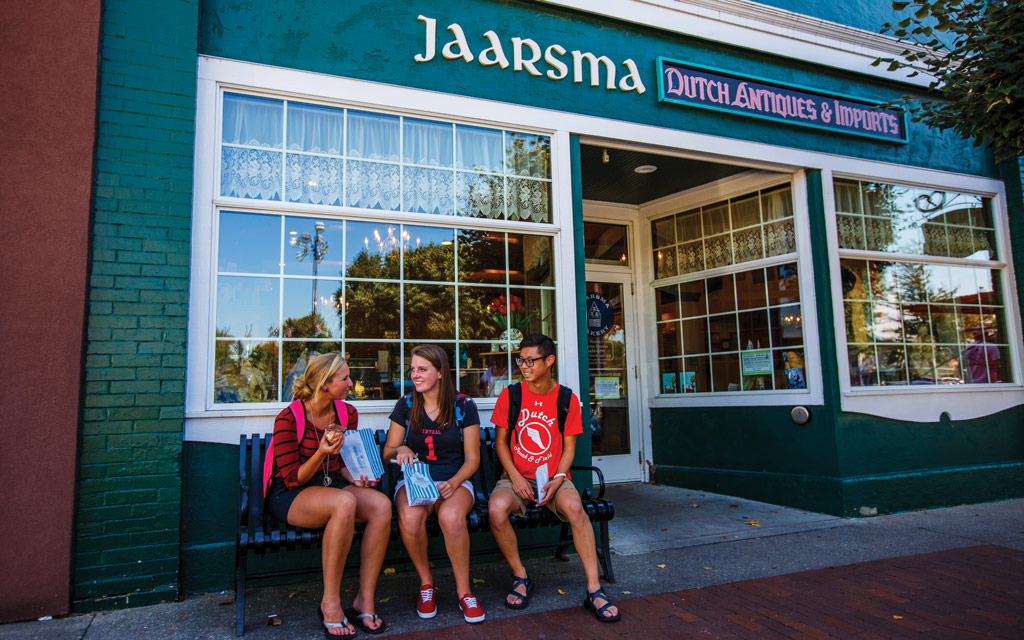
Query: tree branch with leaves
point(973, 51)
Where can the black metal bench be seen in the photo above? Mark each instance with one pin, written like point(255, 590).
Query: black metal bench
point(259, 533)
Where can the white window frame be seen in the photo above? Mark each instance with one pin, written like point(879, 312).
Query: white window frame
point(926, 403)
point(207, 422)
point(731, 187)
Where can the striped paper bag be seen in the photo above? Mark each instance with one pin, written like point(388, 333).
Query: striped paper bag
point(419, 487)
point(361, 455)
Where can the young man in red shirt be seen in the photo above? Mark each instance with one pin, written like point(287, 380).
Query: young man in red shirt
point(536, 441)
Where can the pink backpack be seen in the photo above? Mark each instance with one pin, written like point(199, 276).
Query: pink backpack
point(300, 428)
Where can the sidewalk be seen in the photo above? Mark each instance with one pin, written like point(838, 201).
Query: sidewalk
point(948, 573)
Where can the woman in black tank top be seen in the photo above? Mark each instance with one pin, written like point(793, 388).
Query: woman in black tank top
point(431, 426)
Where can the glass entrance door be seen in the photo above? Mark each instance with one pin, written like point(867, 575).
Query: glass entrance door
point(614, 422)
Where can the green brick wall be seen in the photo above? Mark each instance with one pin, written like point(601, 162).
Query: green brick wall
point(129, 501)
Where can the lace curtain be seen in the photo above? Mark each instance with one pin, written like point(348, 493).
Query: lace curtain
point(372, 136)
point(254, 122)
point(379, 161)
point(251, 121)
point(315, 129)
point(746, 229)
point(478, 150)
point(427, 142)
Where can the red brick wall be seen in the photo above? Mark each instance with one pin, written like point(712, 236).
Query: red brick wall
point(48, 67)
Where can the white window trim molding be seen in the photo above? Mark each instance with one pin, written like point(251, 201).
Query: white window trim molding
point(927, 403)
point(742, 23)
point(732, 186)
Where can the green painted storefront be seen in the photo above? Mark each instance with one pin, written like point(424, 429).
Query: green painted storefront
point(149, 492)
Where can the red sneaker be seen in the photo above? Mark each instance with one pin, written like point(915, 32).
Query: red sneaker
point(471, 610)
point(426, 608)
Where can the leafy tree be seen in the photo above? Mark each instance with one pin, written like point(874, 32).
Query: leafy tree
point(372, 306)
point(973, 50)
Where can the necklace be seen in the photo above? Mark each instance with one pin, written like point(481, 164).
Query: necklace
point(327, 479)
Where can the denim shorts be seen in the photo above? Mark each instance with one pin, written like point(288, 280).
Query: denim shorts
point(280, 497)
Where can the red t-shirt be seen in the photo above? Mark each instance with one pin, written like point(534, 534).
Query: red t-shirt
point(536, 439)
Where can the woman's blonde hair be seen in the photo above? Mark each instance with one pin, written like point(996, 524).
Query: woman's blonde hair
point(318, 371)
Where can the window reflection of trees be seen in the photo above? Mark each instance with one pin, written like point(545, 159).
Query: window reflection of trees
point(899, 219)
point(245, 370)
point(397, 285)
point(920, 318)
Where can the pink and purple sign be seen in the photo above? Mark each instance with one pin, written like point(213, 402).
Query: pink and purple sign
point(708, 88)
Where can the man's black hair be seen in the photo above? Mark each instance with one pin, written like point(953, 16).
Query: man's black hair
point(545, 345)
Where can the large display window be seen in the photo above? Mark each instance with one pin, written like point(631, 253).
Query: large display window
point(923, 299)
point(310, 258)
point(729, 316)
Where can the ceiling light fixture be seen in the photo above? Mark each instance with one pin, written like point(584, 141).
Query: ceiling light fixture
point(646, 168)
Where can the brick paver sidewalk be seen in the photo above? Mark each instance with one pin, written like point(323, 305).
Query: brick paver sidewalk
point(973, 592)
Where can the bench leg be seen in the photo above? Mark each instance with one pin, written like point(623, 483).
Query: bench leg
point(240, 566)
point(605, 554)
point(564, 538)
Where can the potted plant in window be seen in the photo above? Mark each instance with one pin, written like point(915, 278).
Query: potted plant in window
point(509, 313)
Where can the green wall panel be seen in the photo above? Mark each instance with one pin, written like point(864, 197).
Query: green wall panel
point(208, 523)
point(377, 41)
point(838, 465)
point(760, 439)
point(932, 488)
point(870, 445)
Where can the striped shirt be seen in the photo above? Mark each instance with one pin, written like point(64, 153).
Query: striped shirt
point(289, 454)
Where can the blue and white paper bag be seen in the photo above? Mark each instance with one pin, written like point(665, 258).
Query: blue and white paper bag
point(419, 486)
point(360, 454)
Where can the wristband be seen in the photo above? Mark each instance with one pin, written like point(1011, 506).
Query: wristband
point(558, 475)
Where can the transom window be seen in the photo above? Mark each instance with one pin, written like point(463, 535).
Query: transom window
point(292, 287)
point(287, 151)
point(738, 331)
point(750, 227)
point(912, 315)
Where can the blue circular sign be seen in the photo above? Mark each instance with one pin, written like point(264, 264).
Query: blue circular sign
point(600, 316)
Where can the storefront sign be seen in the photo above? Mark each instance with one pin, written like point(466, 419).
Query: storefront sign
point(526, 55)
point(708, 88)
point(600, 316)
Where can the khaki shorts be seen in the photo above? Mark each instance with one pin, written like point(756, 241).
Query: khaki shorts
point(505, 484)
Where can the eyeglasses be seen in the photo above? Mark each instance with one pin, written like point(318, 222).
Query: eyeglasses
point(528, 362)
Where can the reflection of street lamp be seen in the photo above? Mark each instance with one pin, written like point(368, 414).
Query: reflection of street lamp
point(304, 244)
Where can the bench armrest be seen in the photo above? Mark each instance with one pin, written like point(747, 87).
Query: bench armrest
point(600, 477)
point(243, 483)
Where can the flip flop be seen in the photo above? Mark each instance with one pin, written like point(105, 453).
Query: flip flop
point(516, 581)
point(598, 612)
point(334, 625)
point(361, 619)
